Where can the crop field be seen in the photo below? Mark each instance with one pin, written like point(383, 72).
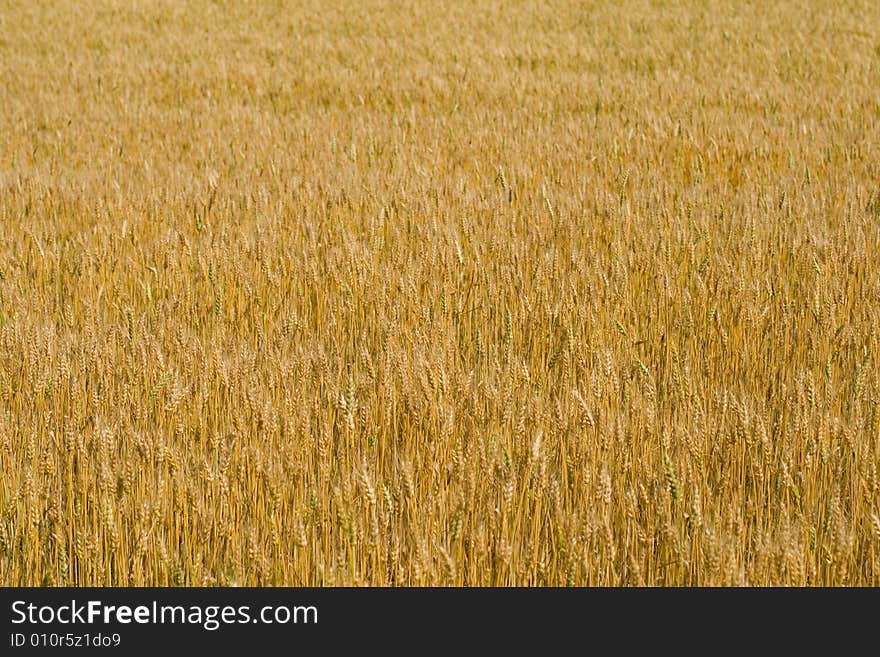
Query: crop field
point(439, 293)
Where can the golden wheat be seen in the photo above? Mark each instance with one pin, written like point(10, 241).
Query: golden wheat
point(399, 293)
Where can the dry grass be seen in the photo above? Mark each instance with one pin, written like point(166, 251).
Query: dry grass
point(439, 293)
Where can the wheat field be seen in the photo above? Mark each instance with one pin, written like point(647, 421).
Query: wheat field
point(439, 293)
